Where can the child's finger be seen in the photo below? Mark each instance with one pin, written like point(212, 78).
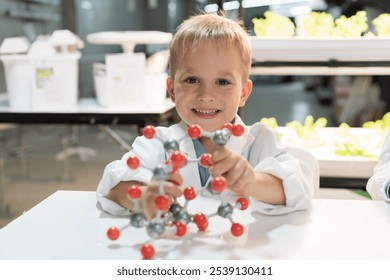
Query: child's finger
point(220, 154)
point(225, 166)
point(172, 189)
point(151, 192)
point(175, 178)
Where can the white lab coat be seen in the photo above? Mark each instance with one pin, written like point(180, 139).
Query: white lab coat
point(259, 145)
point(381, 175)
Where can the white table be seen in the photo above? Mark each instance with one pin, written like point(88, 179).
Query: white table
point(87, 111)
point(68, 225)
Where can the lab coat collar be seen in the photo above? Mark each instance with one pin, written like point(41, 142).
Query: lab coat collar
point(242, 143)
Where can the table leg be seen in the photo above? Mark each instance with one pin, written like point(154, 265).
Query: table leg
point(113, 135)
point(71, 147)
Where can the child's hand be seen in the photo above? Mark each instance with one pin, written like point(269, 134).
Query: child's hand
point(234, 167)
point(172, 187)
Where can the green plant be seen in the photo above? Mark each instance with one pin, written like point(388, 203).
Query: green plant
point(353, 26)
point(274, 25)
point(317, 24)
point(271, 122)
point(382, 24)
point(381, 125)
point(309, 126)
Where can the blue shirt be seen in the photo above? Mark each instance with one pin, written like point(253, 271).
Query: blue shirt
point(203, 172)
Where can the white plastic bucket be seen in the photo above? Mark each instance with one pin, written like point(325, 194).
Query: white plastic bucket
point(55, 81)
point(17, 71)
point(125, 75)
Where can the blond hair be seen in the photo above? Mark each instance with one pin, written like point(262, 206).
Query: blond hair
point(203, 28)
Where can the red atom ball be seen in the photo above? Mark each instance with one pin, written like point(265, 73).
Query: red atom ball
point(237, 130)
point(133, 162)
point(201, 221)
point(181, 228)
point(147, 251)
point(178, 159)
point(194, 131)
point(189, 193)
point(203, 227)
point(162, 202)
point(243, 202)
point(205, 160)
point(218, 184)
point(149, 131)
point(113, 233)
point(228, 126)
point(134, 192)
point(237, 229)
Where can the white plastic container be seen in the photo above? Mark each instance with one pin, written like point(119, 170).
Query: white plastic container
point(54, 76)
point(126, 81)
point(65, 41)
point(54, 81)
point(14, 45)
point(13, 51)
point(17, 71)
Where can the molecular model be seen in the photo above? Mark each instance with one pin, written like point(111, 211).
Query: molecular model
point(176, 217)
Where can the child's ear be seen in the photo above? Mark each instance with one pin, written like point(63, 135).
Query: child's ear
point(170, 88)
point(246, 91)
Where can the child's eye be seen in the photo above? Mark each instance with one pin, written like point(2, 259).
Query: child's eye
point(191, 80)
point(223, 82)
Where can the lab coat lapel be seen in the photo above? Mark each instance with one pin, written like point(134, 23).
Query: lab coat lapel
point(240, 144)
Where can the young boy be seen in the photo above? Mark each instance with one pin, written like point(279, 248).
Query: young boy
point(210, 60)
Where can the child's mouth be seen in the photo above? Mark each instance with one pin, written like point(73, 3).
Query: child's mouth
point(206, 112)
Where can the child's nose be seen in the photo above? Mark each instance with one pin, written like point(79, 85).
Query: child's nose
point(205, 94)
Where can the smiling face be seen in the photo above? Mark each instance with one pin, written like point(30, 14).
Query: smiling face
point(209, 85)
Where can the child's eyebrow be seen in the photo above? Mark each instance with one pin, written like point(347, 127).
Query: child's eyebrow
point(227, 74)
point(186, 70)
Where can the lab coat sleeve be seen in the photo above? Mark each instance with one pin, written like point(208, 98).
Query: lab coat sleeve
point(298, 179)
point(149, 152)
point(381, 176)
point(296, 186)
